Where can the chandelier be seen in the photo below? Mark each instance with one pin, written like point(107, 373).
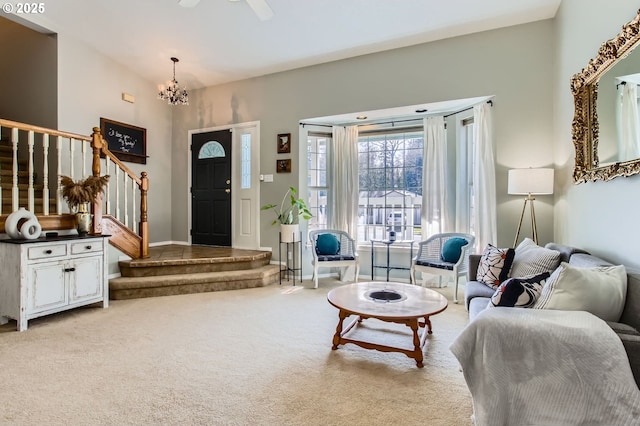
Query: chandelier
point(173, 94)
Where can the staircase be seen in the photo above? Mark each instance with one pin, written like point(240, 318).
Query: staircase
point(176, 269)
point(6, 179)
point(31, 160)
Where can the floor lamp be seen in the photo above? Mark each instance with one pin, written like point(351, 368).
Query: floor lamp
point(530, 182)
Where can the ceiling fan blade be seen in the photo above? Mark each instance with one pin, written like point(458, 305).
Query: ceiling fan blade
point(188, 3)
point(261, 8)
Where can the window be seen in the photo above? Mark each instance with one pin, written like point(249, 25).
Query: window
point(211, 149)
point(317, 160)
point(467, 203)
point(246, 161)
point(390, 168)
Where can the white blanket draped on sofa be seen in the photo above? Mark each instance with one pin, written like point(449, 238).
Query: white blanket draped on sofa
point(546, 367)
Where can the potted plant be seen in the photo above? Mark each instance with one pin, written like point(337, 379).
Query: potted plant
point(79, 194)
point(288, 212)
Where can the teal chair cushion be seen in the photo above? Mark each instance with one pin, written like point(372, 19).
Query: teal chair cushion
point(327, 244)
point(452, 248)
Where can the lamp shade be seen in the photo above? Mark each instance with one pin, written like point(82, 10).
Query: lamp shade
point(530, 181)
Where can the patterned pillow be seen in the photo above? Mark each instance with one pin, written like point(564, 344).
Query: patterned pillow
point(531, 259)
point(519, 292)
point(494, 265)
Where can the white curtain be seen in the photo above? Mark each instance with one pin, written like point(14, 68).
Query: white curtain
point(343, 203)
point(629, 132)
point(434, 178)
point(484, 178)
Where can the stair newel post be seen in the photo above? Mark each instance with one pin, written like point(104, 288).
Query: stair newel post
point(144, 225)
point(96, 208)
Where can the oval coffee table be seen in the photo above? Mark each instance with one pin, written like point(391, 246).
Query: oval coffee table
point(390, 302)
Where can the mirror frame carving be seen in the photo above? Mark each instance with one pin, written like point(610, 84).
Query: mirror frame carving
point(585, 127)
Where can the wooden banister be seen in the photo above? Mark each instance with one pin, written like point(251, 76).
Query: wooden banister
point(134, 242)
point(144, 225)
point(96, 146)
point(38, 129)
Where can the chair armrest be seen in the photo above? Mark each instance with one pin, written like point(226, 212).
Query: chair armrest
point(474, 261)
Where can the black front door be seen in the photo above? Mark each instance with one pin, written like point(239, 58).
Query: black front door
point(211, 188)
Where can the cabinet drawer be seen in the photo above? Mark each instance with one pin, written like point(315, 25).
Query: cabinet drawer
point(86, 247)
point(44, 252)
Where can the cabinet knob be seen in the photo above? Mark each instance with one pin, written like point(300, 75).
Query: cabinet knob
point(87, 247)
point(48, 251)
point(70, 269)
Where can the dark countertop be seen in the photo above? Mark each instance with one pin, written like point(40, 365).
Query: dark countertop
point(70, 237)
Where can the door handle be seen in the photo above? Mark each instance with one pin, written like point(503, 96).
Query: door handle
point(227, 190)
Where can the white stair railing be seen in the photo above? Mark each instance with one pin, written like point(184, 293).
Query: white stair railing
point(32, 162)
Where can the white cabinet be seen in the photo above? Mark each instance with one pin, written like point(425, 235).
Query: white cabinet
point(43, 276)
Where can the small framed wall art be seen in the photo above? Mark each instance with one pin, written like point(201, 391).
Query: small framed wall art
point(283, 166)
point(284, 143)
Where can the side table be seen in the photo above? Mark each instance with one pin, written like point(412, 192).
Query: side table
point(388, 244)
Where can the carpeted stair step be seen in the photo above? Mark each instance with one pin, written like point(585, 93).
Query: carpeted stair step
point(145, 268)
point(167, 285)
point(7, 163)
point(6, 175)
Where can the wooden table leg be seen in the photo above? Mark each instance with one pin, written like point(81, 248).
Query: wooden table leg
point(336, 337)
point(417, 346)
point(427, 322)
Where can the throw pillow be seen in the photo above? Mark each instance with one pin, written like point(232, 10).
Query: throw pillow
point(494, 265)
point(327, 244)
point(601, 290)
point(519, 292)
point(452, 249)
point(531, 259)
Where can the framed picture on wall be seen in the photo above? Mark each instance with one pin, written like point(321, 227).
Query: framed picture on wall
point(283, 166)
point(284, 143)
point(125, 141)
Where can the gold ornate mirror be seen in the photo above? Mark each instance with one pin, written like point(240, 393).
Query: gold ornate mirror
point(614, 66)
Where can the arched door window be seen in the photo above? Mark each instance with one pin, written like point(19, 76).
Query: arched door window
point(211, 149)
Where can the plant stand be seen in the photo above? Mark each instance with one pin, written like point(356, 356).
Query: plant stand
point(290, 252)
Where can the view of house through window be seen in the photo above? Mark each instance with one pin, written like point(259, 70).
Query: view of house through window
point(390, 168)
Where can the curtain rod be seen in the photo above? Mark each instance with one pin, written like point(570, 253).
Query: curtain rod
point(490, 102)
point(623, 83)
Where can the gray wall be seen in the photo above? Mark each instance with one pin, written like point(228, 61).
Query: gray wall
point(514, 64)
point(597, 216)
point(28, 75)
point(90, 87)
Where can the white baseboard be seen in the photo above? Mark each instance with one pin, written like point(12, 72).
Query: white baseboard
point(166, 243)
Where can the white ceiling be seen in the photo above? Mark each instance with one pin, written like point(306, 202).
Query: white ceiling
point(218, 41)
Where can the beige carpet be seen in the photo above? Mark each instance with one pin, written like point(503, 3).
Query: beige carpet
point(259, 356)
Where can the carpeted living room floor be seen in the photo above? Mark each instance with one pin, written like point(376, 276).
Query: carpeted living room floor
point(259, 356)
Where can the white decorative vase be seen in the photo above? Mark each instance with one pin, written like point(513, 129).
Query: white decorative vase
point(22, 224)
point(289, 233)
